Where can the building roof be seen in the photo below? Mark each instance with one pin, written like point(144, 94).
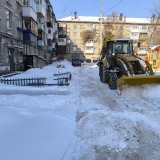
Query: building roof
point(97, 19)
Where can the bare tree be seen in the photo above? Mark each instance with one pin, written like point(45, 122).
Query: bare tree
point(89, 34)
point(155, 29)
point(113, 26)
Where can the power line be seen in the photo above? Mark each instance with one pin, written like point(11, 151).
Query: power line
point(115, 5)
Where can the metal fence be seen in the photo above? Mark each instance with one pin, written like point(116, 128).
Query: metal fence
point(61, 81)
point(24, 81)
point(66, 74)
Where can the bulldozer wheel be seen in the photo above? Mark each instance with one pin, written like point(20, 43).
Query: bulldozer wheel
point(103, 74)
point(112, 80)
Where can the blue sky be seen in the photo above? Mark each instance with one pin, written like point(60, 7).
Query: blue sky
point(129, 8)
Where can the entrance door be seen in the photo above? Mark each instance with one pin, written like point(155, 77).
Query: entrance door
point(28, 61)
point(11, 59)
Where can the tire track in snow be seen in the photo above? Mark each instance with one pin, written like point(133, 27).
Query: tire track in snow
point(121, 108)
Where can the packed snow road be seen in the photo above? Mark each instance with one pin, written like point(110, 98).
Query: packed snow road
point(116, 127)
point(83, 121)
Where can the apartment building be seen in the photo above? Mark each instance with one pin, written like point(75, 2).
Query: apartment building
point(11, 36)
point(137, 29)
point(24, 34)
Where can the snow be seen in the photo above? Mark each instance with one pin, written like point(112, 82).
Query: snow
point(96, 19)
point(85, 120)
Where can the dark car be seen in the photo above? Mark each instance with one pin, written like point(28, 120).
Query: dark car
point(76, 61)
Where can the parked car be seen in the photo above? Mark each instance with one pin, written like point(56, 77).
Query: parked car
point(88, 60)
point(76, 61)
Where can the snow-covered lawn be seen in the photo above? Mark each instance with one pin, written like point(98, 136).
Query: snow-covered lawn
point(83, 121)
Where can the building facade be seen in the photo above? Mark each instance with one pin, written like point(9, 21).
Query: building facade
point(24, 34)
point(137, 29)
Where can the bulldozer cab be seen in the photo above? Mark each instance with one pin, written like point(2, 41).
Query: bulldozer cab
point(116, 47)
point(123, 47)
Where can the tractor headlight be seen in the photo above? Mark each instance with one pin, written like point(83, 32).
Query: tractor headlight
point(113, 54)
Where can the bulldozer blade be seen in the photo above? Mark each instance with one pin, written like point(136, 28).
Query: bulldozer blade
point(136, 81)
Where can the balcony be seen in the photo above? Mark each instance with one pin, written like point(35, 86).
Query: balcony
point(49, 24)
point(41, 11)
point(27, 11)
point(143, 38)
point(41, 26)
point(49, 36)
point(29, 36)
point(91, 44)
point(41, 43)
point(140, 30)
point(62, 42)
point(49, 8)
point(49, 48)
point(62, 36)
point(53, 45)
point(89, 51)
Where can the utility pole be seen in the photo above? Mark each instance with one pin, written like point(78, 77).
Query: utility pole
point(100, 30)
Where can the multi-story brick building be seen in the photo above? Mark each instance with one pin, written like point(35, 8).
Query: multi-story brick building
point(138, 29)
point(23, 34)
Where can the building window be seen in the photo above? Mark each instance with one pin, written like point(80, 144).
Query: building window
point(75, 27)
point(9, 19)
point(60, 25)
point(74, 42)
point(74, 48)
point(74, 33)
point(33, 26)
point(25, 2)
point(89, 47)
point(68, 48)
point(30, 24)
point(31, 3)
point(61, 33)
point(39, 1)
point(135, 27)
point(144, 28)
point(41, 35)
point(134, 34)
point(26, 49)
point(19, 22)
point(49, 31)
point(60, 40)
point(90, 26)
point(68, 26)
point(49, 42)
point(68, 33)
point(42, 2)
point(68, 41)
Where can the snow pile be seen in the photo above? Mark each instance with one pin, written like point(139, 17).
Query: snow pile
point(85, 120)
point(147, 91)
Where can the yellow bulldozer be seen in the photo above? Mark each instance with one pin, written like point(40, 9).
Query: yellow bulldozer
point(120, 66)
